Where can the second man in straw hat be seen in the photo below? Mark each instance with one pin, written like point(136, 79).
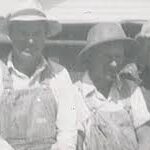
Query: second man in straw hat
point(108, 115)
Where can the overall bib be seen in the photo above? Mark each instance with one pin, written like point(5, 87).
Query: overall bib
point(28, 116)
point(111, 129)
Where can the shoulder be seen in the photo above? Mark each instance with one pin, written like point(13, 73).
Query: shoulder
point(79, 86)
point(4, 76)
point(3, 68)
point(61, 75)
point(55, 67)
point(2, 64)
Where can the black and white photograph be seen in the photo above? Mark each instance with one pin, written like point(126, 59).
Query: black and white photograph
point(74, 75)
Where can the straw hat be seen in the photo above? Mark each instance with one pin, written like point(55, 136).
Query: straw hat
point(105, 33)
point(30, 11)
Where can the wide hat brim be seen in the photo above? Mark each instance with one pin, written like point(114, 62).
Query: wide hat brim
point(35, 15)
point(53, 28)
point(131, 48)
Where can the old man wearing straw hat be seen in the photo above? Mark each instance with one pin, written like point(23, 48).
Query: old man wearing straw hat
point(37, 106)
point(112, 98)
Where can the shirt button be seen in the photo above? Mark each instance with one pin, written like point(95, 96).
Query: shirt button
point(38, 99)
point(8, 91)
point(94, 110)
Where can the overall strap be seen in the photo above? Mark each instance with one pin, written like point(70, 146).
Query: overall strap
point(45, 77)
point(6, 77)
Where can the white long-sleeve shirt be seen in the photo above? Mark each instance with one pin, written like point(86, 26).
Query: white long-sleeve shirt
point(65, 97)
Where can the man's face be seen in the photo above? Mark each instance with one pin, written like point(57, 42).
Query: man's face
point(107, 64)
point(27, 38)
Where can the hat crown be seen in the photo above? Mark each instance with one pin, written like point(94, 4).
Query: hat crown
point(26, 4)
point(104, 32)
point(27, 10)
point(30, 11)
point(28, 14)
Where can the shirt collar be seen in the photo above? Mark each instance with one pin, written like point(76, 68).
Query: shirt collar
point(88, 88)
point(12, 68)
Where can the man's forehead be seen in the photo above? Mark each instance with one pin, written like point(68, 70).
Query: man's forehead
point(28, 23)
point(112, 49)
point(113, 45)
point(24, 25)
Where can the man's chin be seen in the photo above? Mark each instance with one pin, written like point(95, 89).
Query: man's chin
point(110, 78)
point(26, 54)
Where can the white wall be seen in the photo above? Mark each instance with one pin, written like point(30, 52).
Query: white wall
point(85, 10)
point(106, 10)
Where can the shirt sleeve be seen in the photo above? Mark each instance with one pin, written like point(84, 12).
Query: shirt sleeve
point(1, 78)
point(66, 114)
point(83, 112)
point(140, 113)
point(3, 144)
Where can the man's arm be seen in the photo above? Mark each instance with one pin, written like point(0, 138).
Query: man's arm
point(139, 109)
point(141, 118)
point(3, 144)
point(143, 130)
point(2, 68)
point(83, 114)
point(66, 114)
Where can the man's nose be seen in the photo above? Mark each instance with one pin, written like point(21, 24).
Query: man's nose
point(113, 64)
point(31, 41)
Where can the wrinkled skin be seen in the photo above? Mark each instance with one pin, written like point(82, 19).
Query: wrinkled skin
point(28, 42)
point(105, 66)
